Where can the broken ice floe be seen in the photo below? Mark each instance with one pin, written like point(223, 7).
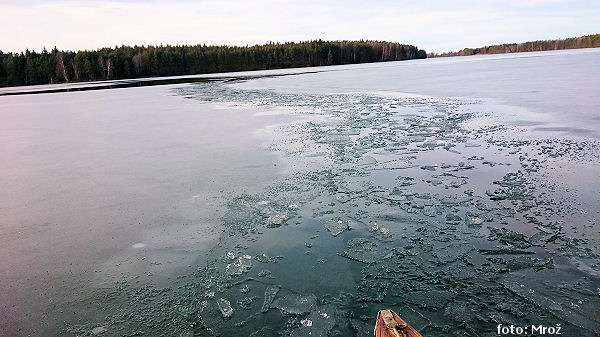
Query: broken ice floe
point(98, 330)
point(362, 250)
point(264, 258)
point(509, 237)
point(239, 266)
point(276, 220)
point(265, 273)
point(269, 296)
point(336, 226)
point(295, 303)
point(225, 307)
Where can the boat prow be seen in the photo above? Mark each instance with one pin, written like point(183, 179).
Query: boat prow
point(389, 324)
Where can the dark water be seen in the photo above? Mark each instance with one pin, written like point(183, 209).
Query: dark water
point(462, 193)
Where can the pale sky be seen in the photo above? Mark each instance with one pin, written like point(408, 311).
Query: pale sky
point(435, 26)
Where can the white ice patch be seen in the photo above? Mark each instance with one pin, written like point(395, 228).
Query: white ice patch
point(139, 245)
point(98, 330)
point(306, 322)
point(239, 266)
point(225, 307)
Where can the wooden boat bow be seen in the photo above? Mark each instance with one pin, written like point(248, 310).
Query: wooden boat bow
point(389, 324)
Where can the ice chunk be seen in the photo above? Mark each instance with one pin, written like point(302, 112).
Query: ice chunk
point(367, 160)
point(262, 258)
point(270, 294)
point(451, 253)
point(306, 322)
point(225, 307)
point(246, 302)
point(518, 263)
point(296, 303)
point(317, 324)
point(432, 144)
point(405, 181)
point(473, 219)
point(277, 220)
point(503, 251)
point(372, 290)
point(363, 250)
point(546, 264)
point(429, 167)
point(239, 266)
point(98, 330)
point(336, 226)
point(452, 218)
point(264, 273)
point(202, 305)
point(509, 237)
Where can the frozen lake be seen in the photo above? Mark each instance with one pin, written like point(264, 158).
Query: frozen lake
point(461, 192)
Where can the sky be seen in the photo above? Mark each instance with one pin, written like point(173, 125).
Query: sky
point(436, 26)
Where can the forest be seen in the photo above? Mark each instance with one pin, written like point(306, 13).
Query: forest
point(587, 41)
point(32, 68)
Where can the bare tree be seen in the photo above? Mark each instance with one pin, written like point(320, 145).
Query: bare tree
point(329, 58)
point(109, 68)
point(75, 69)
point(60, 66)
point(137, 63)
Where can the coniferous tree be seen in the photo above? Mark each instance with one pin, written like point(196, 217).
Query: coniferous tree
point(121, 62)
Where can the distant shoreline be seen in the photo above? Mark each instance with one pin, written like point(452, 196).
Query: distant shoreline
point(586, 41)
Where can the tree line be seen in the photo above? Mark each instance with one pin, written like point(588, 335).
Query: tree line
point(587, 41)
point(31, 68)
